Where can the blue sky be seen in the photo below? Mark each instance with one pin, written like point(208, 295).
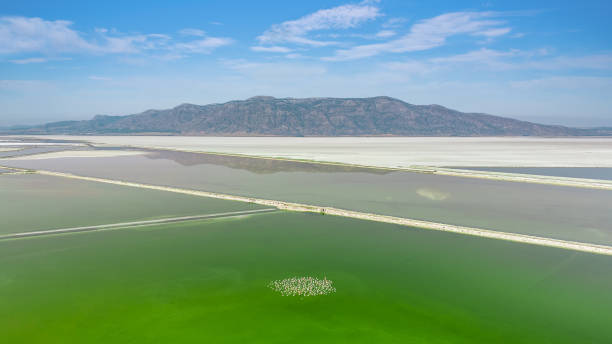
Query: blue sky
point(547, 61)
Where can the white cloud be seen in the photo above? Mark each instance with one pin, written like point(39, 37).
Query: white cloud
point(38, 60)
point(29, 60)
point(496, 59)
point(192, 32)
point(113, 42)
point(20, 35)
point(271, 49)
point(385, 33)
point(394, 23)
point(341, 17)
point(382, 34)
point(427, 34)
point(493, 32)
point(24, 35)
point(203, 46)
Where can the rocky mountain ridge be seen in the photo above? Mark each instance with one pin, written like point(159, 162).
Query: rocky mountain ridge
point(269, 116)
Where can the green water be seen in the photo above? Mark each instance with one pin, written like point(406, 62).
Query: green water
point(552, 211)
point(205, 282)
point(34, 202)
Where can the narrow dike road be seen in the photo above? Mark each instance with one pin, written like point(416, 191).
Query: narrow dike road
point(134, 224)
point(480, 232)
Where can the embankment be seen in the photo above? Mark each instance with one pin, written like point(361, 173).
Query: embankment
point(520, 238)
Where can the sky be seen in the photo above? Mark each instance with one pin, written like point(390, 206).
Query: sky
point(544, 61)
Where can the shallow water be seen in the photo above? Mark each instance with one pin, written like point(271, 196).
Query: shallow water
point(34, 202)
point(207, 282)
point(33, 150)
point(552, 211)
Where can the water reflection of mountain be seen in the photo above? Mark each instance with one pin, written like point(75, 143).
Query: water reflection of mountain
point(256, 165)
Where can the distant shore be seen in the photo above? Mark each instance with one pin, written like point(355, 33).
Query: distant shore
point(388, 152)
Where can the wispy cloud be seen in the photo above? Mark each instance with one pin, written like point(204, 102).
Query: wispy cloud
point(392, 23)
point(29, 60)
point(22, 35)
point(382, 34)
point(385, 33)
point(129, 44)
point(482, 57)
point(271, 49)
point(27, 35)
point(341, 17)
point(193, 32)
point(504, 60)
point(493, 32)
point(430, 33)
point(203, 46)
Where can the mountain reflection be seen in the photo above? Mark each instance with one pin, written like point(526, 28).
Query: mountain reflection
point(256, 165)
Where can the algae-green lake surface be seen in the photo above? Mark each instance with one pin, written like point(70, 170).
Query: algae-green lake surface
point(30, 202)
point(206, 282)
point(559, 212)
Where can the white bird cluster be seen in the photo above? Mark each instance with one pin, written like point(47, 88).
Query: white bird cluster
point(303, 286)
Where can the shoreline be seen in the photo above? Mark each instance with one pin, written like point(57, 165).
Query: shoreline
point(387, 151)
point(600, 184)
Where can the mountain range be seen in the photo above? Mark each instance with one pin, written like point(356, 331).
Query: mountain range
point(269, 116)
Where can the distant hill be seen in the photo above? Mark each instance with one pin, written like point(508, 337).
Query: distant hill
point(309, 117)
